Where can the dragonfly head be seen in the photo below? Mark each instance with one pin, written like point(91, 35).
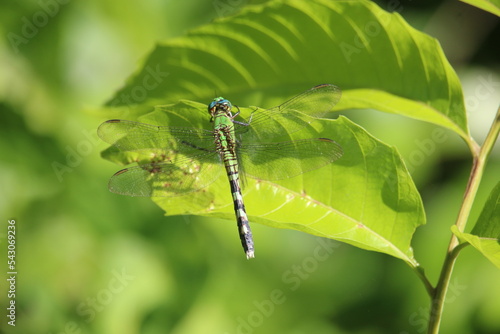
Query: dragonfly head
point(217, 104)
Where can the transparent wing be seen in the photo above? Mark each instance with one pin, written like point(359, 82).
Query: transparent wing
point(276, 161)
point(135, 136)
point(166, 179)
point(181, 160)
point(292, 115)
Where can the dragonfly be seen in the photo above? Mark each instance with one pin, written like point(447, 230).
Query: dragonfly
point(189, 159)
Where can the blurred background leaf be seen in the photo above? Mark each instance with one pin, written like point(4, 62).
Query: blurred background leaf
point(75, 239)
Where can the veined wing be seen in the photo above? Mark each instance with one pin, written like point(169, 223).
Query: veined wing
point(135, 136)
point(186, 159)
point(292, 115)
point(167, 179)
point(281, 160)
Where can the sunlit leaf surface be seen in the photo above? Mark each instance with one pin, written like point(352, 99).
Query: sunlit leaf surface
point(267, 51)
point(366, 198)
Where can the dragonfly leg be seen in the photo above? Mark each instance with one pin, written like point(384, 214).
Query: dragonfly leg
point(241, 123)
point(238, 122)
point(237, 113)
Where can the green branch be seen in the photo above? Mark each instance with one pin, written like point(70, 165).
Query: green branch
point(480, 157)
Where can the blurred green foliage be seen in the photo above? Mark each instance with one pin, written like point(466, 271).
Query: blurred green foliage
point(89, 261)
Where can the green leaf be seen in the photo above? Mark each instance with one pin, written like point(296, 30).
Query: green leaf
point(492, 6)
point(367, 198)
point(267, 52)
point(485, 236)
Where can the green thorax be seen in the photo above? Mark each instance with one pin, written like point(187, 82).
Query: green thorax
point(221, 114)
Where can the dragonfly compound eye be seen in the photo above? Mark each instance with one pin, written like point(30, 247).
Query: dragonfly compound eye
point(218, 101)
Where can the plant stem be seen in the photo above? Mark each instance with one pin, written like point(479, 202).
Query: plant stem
point(421, 274)
point(480, 157)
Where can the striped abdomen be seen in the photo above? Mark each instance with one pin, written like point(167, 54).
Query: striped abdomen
point(226, 147)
